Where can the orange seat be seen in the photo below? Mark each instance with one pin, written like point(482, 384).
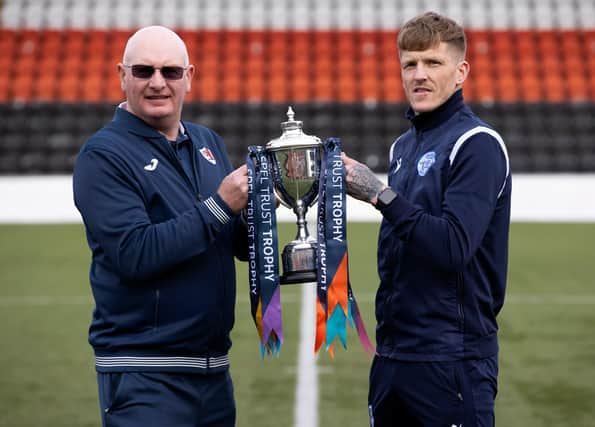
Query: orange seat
point(97, 43)
point(231, 88)
point(209, 43)
point(368, 44)
point(277, 44)
point(501, 44)
point(388, 44)
point(92, 89)
point(345, 45)
point(277, 88)
point(299, 43)
point(346, 89)
point(299, 89)
point(208, 89)
point(369, 88)
point(5, 88)
point(323, 68)
point(69, 88)
point(45, 87)
point(51, 43)
point(254, 66)
point(530, 88)
point(22, 87)
point(524, 43)
point(390, 67)
point(368, 67)
point(484, 89)
point(554, 88)
point(392, 90)
point(323, 44)
point(547, 42)
point(591, 86)
point(114, 91)
point(300, 66)
point(578, 87)
point(323, 88)
point(570, 43)
point(25, 64)
point(507, 90)
point(478, 43)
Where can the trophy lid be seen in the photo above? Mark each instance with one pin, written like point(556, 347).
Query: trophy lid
point(292, 136)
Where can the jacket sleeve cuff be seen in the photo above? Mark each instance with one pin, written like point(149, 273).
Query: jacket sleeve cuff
point(398, 211)
point(219, 209)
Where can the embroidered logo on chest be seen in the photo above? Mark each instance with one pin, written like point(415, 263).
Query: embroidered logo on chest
point(208, 155)
point(425, 163)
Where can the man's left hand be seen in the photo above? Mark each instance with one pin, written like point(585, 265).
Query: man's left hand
point(362, 183)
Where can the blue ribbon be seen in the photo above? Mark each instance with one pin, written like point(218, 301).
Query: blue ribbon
point(261, 220)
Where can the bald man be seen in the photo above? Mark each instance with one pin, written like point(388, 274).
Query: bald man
point(161, 207)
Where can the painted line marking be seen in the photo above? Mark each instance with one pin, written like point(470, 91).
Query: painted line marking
point(306, 394)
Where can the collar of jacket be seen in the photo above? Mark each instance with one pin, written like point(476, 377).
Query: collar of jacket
point(435, 117)
point(134, 124)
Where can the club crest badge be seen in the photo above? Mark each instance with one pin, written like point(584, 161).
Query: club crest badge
point(208, 155)
point(425, 163)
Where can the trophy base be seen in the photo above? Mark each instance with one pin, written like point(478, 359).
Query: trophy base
point(295, 277)
point(299, 262)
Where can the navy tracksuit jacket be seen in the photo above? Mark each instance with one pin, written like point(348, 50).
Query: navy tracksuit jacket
point(163, 245)
point(443, 243)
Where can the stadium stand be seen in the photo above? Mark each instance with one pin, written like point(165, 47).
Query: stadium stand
point(532, 73)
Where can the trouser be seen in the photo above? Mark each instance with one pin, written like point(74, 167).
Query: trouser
point(146, 399)
point(433, 394)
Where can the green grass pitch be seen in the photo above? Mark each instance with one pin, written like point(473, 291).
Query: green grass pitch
point(547, 357)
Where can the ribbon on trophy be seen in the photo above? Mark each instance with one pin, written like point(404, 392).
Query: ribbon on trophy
point(261, 221)
point(335, 303)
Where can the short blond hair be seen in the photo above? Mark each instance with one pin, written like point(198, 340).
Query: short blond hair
point(430, 29)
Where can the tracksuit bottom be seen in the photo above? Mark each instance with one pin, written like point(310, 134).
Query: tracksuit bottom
point(432, 394)
point(157, 399)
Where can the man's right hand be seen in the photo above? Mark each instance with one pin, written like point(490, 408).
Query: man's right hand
point(234, 189)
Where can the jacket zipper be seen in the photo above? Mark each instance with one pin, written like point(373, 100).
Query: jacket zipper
point(418, 144)
point(195, 171)
point(157, 297)
point(193, 186)
point(460, 296)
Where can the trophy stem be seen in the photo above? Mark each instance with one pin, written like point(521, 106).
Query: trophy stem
point(302, 229)
point(299, 256)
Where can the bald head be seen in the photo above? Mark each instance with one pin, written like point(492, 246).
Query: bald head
point(159, 41)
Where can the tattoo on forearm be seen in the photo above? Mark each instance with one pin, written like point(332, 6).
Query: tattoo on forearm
point(363, 184)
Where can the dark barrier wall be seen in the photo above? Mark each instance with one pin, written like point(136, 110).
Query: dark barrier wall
point(44, 138)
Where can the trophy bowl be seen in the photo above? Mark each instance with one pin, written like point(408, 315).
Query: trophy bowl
point(295, 158)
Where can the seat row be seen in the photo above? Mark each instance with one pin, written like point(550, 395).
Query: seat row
point(279, 66)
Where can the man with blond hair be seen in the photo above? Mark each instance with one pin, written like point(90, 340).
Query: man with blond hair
point(442, 246)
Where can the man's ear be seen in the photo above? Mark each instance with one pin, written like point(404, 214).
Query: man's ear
point(190, 75)
point(121, 74)
point(463, 69)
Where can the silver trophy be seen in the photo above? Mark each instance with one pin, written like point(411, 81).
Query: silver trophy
point(295, 158)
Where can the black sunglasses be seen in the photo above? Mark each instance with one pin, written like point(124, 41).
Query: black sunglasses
point(169, 72)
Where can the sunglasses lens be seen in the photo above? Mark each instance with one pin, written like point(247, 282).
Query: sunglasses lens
point(146, 72)
point(172, 73)
point(142, 71)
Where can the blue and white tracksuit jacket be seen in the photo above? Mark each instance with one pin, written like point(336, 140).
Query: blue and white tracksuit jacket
point(163, 244)
point(443, 242)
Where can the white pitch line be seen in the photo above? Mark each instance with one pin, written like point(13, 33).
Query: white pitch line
point(515, 299)
point(306, 393)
